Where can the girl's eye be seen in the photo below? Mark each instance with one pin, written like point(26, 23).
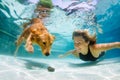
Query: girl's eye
point(77, 42)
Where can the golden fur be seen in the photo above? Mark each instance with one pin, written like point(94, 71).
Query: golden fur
point(36, 33)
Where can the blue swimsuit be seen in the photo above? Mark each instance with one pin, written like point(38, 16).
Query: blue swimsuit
point(89, 56)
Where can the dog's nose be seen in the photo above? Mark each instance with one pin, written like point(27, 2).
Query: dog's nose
point(47, 54)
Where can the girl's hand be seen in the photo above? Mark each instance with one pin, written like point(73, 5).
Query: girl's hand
point(61, 56)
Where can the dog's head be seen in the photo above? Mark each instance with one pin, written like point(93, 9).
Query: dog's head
point(41, 36)
point(45, 41)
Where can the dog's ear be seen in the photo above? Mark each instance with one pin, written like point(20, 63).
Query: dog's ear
point(53, 36)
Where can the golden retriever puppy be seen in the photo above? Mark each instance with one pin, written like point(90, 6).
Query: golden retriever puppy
point(36, 33)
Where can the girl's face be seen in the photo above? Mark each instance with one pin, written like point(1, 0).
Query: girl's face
point(80, 44)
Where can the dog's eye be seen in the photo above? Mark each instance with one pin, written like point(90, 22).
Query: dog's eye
point(44, 43)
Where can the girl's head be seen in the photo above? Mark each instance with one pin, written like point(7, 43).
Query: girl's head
point(82, 35)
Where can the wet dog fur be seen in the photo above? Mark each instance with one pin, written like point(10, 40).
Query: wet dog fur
point(36, 33)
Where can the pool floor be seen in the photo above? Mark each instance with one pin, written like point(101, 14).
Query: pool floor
point(19, 68)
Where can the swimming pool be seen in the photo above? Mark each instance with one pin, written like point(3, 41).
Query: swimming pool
point(28, 66)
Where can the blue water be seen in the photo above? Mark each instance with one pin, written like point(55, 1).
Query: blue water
point(35, 66)
point(60, 25)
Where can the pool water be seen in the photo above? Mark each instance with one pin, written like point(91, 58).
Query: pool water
point(61, 24)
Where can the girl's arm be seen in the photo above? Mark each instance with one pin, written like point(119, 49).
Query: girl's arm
point(107, 46)
point(67, 53)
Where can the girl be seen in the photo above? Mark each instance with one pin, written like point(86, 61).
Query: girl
point(86, 47)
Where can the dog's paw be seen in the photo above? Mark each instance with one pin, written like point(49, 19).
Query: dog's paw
point(30, 49)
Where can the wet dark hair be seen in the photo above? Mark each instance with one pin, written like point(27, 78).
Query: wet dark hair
point(85, 35)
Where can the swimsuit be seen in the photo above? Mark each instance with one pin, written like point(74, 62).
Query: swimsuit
point(89, 56)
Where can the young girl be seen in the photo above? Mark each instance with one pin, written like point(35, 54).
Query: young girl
point(86, 47)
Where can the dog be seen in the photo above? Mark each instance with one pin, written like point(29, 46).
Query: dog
point(37, 33)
